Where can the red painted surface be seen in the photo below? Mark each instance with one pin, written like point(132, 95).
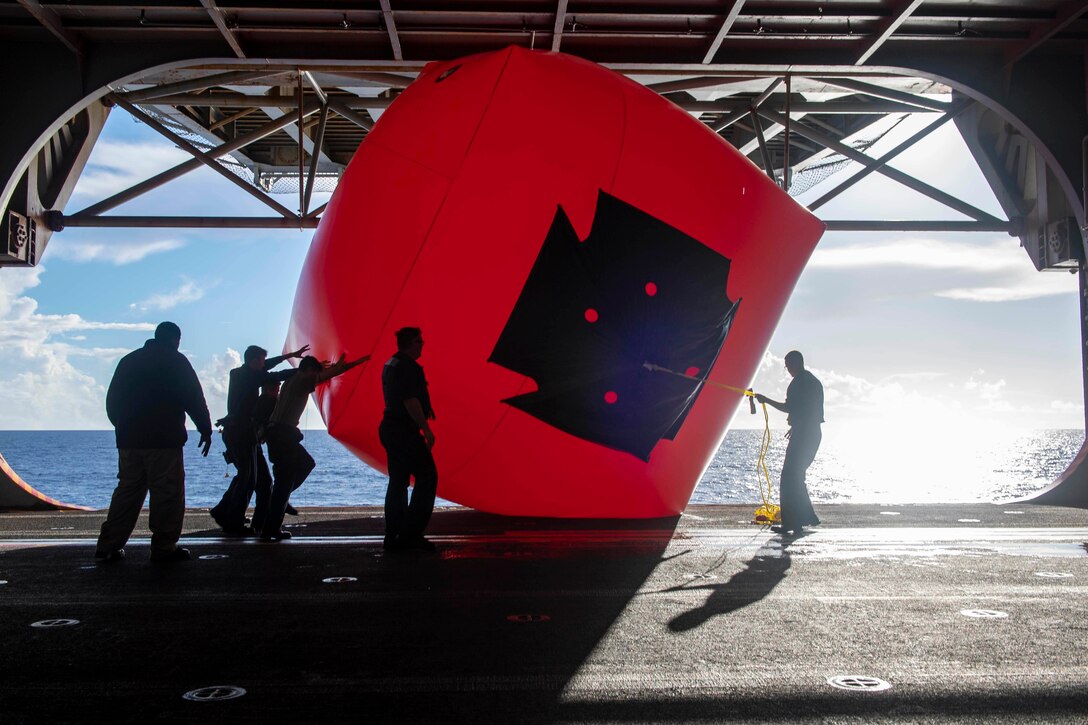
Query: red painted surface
point(437, 223)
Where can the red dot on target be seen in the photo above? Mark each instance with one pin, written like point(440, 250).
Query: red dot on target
point(610, 397)
point(651, 289)
point(591, 315)
point(691, 372)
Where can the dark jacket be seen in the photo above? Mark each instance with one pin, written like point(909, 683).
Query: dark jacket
point(151, 391)
point(245, 387)
point(805, 401)
point(403, 379)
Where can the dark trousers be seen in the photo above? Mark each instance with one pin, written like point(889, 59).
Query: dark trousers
point(797, 508)
point(140, 470)
point(408, 457)
point(291, 464)
point(252, 476)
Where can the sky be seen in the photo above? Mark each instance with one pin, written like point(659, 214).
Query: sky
point(941, 332)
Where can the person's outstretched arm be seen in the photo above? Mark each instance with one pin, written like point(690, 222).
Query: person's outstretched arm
point(339, 367)
point(773, 403)
point(272, 362)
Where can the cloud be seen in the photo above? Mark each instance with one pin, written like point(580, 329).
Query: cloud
point(923, 403)
point(189, 291)
point(118, 252)
point(40, 388)
point(1026, 284)
point(990, 271)
point(117, 165)
point(921, 253)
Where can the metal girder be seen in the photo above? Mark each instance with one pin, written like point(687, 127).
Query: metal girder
point(302, 149)
point(877, 164)
point(241, 100)
point(786, 140)
point(887, 94)
point(765, 154)
point(204, 158)
point(905, 179)
point(156, 93)
point(727, 25)
point(862, 225)
point(1067, 13)
point(391, 28)
point(350, 114)
point(183, 168)
point(314, 158)
point(887, 29)
point(560, 22)
point(51, 22)
point(221, 24)
point(59, 222)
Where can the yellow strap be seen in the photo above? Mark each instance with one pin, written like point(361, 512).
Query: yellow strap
point(768, 512)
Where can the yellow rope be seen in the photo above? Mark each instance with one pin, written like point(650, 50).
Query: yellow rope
point(769, 512)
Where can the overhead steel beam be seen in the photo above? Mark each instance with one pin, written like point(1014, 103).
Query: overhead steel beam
point(321, 95)
point(878, 163)
point(560, 23)
point(192, 164)
point(315, 157)
point(393, 80)
point(204, 158)
point(786, 141)
point(899, 16)
point(391, 28)
point(729, 120)
point(302, 149)
point(231, 119)
point(727, 25)
point(764, 152)
point(168, 90)
point(224, 30)
point(345, 112)
point(887, 94)
point(862, 225)
point(762, 97)
point(688, 84)
point(905, 179)
point(241, 100)
point(1067, 12)
point(52, 22)
point(58, 222)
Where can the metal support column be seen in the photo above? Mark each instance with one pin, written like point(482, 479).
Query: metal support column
point(1082, 276)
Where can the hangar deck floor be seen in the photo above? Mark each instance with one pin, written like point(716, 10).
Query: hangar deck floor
point(702, 619)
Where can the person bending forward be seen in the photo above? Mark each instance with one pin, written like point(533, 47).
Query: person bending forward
point(291, 463)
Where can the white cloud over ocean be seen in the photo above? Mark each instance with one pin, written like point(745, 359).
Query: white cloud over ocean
point(36, 369)
point(987, 271)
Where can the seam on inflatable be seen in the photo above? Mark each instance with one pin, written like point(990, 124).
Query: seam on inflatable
point(525, 379)
point(426, 238)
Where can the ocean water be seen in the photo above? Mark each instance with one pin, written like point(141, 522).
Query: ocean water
point(861, 466)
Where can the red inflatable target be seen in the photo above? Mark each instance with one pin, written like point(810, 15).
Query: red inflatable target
point(561, 234)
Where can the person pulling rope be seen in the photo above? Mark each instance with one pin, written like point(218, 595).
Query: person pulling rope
point(769, 512)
